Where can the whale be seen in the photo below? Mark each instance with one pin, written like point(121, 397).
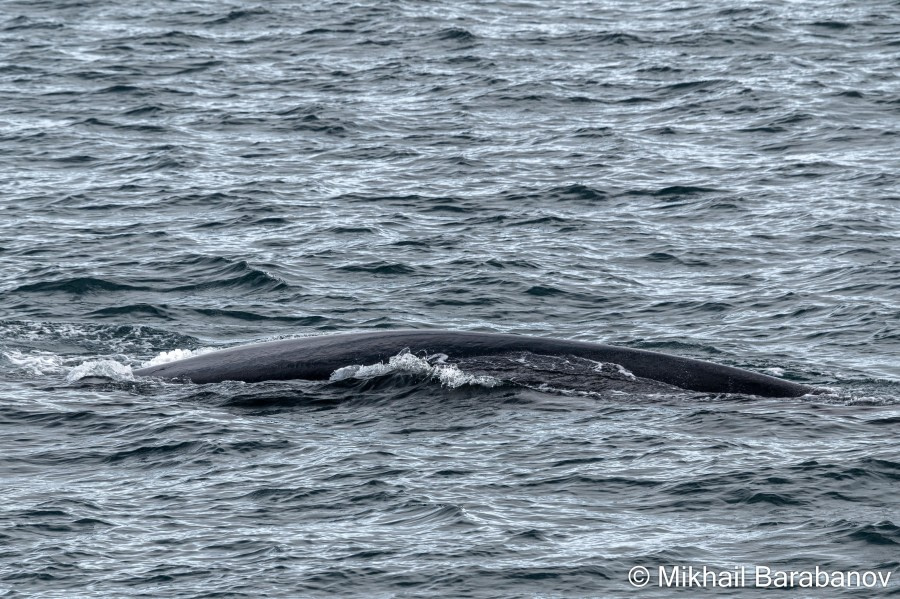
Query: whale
point(318, 357)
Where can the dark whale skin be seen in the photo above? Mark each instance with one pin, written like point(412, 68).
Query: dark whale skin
point(315, 358)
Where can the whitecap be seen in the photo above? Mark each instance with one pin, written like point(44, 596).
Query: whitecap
point(175, 355)
point(37, 363)
point(107, 369)
point(449, 375)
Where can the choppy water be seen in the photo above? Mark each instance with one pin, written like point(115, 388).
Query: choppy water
point(715, 180)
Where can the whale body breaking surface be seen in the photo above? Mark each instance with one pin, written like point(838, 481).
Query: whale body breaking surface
point(316, 358)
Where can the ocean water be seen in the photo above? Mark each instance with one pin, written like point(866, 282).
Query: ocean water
point(716, 180)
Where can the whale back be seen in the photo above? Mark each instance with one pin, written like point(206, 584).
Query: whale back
point(315, 358)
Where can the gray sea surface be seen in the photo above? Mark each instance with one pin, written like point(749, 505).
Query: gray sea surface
point(716, 180)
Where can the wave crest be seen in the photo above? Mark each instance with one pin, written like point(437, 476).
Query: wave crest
point(449, 375)
point(176, 354)
point(106, 369)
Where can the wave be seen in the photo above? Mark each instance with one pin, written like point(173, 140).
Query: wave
point(456, 34)
point(142, 310)
point(100, 369)
point(449, 375)
point(199, 274)
point(89, 336)
point(238, 15)
point(82, 350)
point(176, 354)
point(36, 363)
point(246, 315)
point(380, 268)
point(41, 364)
point(79, 286)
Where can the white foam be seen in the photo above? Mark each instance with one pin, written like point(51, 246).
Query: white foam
point(599, 366)
point(175, 355)
point(625, 372)
point(119, 339)
point(109, 369)
point(449, 375)
point(37, 363)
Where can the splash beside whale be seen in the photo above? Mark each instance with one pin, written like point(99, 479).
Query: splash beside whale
point(316, 358)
